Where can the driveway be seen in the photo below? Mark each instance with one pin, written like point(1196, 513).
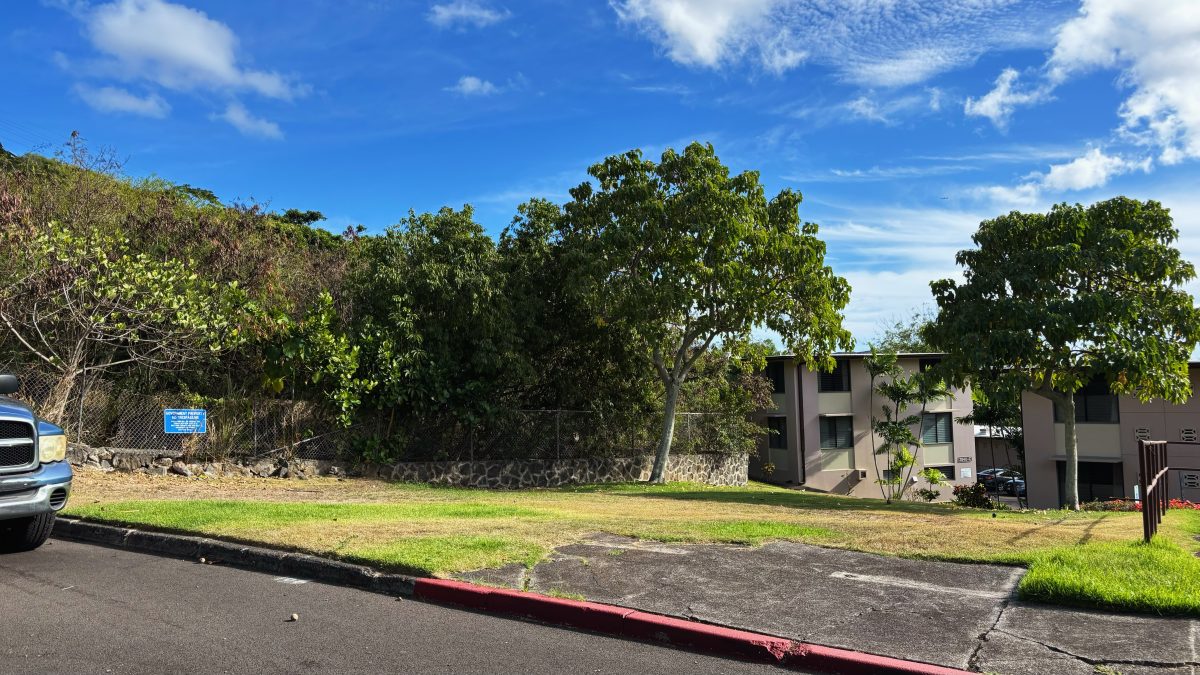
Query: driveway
point(959, 615)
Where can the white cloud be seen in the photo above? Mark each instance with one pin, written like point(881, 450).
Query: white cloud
point(998, 104)
point(1155, 45)
point(880, 173)
point(699, 32)
point(469, 85)
point(1091, 170)
point(241, 119)
point(935, 98)
point(884, 110)
point(866, 109)
point(909, 67)
point(178, 48)
point(881, 296)
point(465, 12)
point(890, 253)
point(115, 99)
point(857, 38)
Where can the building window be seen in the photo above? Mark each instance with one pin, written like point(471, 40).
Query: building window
point(777, 439)
point(837, 433)
point(774, 373)
point(936, 429)
point(836, 380)
point(1098, 481)
point(837, 443)
point(927, 363)
point(1094, 403)
point(946, 471)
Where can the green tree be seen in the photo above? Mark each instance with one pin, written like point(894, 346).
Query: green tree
point(316, 352)
point(896, 428)
point(1053, 301)
point(569, 360)
point(906, 334)
point(681, 254)
point(87, 304)
point(432, 320)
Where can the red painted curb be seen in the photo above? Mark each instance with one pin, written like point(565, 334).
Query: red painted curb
point(626, 622)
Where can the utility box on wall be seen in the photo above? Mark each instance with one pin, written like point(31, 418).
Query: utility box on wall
point(1189, 485)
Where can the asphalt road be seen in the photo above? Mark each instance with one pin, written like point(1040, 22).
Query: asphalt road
point(77, 608)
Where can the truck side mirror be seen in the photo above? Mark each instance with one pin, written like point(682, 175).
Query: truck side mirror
point(9, 384)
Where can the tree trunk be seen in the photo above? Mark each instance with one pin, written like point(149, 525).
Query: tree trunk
point(668, 432)
point(992, 445)
point(1071, 489)
point(54, 408)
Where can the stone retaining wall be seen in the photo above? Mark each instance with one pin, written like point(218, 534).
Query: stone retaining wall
point(711, 468)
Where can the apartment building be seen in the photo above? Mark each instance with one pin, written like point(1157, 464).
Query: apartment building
point(1107, 429)
point(822, 428)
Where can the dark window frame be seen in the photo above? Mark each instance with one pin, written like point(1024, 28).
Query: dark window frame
point(1095, 483)
point(942, 468)
point(835, 381)
point(775, 372)
point(842, 432)
point(938, 429)
point(1093, 409)
point(777, 438)
point(928, 362)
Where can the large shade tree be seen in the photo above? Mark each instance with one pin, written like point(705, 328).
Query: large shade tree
point(681, 255)
point(1051, 302)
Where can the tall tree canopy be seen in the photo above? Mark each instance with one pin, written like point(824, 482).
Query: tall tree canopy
point(1053, 301)
point(431, 316)
point(681, 254)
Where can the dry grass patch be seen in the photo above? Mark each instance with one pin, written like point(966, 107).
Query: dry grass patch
point(357, 518)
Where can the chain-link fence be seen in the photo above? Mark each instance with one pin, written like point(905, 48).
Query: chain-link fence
point(101, 414)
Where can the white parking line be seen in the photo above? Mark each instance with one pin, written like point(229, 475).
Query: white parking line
point(919, 585)
point(291, 580)
point(1195, 628)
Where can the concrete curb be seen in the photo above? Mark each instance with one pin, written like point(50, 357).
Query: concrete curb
point(591, 616)
point(237, 555)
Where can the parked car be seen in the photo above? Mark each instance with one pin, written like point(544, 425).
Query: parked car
point(35, 478)
point(1014, 487)
point(994, 479)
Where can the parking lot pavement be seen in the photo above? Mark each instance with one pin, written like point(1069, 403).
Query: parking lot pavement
point(77, 608)
point(951, 614)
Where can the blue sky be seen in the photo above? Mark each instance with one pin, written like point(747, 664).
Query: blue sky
point(903, 123)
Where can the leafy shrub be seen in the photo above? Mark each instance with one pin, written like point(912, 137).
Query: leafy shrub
point(974, 496)
point(1111, 505)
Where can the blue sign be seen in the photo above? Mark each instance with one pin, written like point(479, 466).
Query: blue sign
point(185, 421)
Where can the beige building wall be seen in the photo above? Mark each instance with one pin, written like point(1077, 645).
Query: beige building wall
point(785, 460)
point(854, 472)
point(992, 452)
point(1110, 443)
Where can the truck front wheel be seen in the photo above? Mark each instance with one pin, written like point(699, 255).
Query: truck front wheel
point(25, 534)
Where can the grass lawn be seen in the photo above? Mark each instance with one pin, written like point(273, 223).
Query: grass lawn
point(1073, 558)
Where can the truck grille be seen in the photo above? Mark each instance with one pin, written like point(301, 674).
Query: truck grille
point(21, 453)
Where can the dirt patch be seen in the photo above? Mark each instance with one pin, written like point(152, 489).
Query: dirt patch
point(100, 487)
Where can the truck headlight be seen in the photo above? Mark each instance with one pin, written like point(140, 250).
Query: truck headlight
point(52, 448)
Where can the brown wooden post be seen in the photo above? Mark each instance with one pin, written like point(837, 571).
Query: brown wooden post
point(1143, 471)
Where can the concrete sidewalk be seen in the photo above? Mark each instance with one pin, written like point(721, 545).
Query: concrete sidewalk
point(956, 615)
